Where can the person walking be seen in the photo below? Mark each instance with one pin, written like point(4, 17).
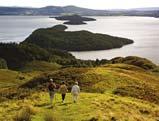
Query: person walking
point(63, 90)
point(75, 91)
point(51, 89)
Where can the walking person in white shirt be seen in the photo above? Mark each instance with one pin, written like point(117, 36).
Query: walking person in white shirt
point(75, 91)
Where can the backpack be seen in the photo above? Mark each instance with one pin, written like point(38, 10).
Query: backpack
point(51, 87)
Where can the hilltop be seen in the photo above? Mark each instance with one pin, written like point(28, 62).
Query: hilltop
point(74, 40)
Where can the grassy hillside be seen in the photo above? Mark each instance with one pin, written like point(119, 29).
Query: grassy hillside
point(90, 107)
point(114, 78)
point(110, 92)
point(9, 78)
point(40, 66)
point(74, 40)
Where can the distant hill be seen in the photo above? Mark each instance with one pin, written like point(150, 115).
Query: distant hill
point(74, 40)
point(147, 9)
point(58, 10)
point(49, 10)
point(74, 19)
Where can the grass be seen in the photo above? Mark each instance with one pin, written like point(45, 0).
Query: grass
point(40, 66)
point(89, 106)
point(118, 92)
point(9, 78)
point(50, 116)
point(108, 78)
point(22, 116)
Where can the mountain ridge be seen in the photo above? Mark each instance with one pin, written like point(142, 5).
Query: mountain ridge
point(70, 9)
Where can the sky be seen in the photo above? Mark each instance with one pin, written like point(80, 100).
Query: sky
point(94, 4)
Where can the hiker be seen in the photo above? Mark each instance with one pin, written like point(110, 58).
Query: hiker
point(51, 89)
point(63, 90)
point(75, 91)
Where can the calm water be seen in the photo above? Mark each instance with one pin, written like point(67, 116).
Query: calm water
point(143, 30)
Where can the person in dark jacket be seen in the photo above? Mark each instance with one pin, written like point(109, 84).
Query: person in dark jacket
point(51, 89)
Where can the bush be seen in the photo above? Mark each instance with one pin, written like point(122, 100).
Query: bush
point(143, 92)
point(3, 64)
point(23, 115)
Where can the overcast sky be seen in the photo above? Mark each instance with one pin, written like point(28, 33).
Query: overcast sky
point(95, 4)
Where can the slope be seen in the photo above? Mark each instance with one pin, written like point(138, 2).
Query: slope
point(90, 107)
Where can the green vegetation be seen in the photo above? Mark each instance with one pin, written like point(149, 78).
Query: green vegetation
point(51, 117)
point(40, 66)
point(74, 41)
point(51, 46)
point(9, 78)
point(25, 57)
point(74, 19)
point(125, 89)
point(90, 106)
point(3, 64)
point(109, 92)
point(111, 77)
point(18, 55)
point(137, 61)
point(59, 27)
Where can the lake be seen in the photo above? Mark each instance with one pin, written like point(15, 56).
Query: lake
point(143, 30)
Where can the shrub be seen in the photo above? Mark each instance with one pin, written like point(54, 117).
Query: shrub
point(23, 115)
point(143, 92)
point(3, 64)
